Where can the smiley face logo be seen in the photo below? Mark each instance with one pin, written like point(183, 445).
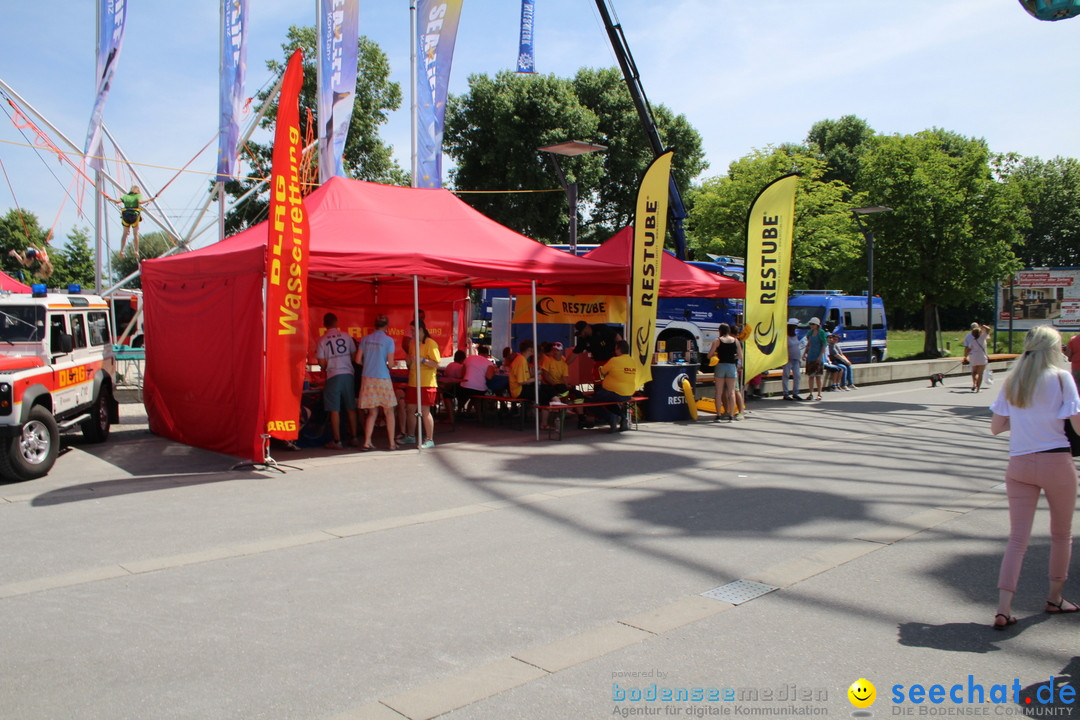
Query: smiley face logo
point(862, 693)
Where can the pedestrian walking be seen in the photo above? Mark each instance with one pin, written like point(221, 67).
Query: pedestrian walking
point(1036, 398)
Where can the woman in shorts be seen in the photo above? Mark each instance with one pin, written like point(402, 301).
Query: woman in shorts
point(727, 351)
point(429, 389)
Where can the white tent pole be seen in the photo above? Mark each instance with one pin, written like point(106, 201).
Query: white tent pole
point(416, 362)
point(536, 365)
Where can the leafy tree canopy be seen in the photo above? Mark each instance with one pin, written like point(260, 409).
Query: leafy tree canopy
point(493, 132)
point(827, 246)
point(72, 263)
point(840, 143)
point(1051, 193)
point(954, 225)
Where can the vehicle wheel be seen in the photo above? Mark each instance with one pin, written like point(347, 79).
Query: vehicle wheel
point(875, 357)
point(96, 427)
point(32, 453)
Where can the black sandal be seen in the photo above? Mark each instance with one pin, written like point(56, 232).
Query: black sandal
point(1058, 609)
point(1009, 620)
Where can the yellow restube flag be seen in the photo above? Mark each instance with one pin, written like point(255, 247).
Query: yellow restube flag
point(650, 225)
point(769, 232)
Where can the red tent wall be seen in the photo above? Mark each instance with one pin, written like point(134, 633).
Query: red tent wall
point(204, 378)
point(10, 284)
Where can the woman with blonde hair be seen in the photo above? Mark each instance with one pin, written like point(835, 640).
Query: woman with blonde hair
point(1036, 398)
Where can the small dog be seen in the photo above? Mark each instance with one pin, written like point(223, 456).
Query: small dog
point(937, 378)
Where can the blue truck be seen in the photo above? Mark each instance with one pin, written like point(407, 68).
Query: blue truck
point(844, 315)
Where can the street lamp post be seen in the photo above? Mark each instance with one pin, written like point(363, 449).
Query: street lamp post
point(868, 234)
point(570, 148)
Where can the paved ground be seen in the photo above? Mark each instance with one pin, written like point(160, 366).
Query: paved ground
point(497, 577)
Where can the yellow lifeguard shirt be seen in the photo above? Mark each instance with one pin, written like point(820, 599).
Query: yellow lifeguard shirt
point(557, 370)
point(620, 375)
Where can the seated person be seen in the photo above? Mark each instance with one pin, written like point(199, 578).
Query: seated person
point(521, 371)
point(499, 383)
point(553, 372)
point(844, 378)
point(478, 370)
point(619, 382)
point(456, 369)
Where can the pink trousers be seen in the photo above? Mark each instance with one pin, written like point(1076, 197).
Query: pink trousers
point(1027, 476)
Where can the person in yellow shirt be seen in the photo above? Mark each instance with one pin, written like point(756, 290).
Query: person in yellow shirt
point(429, 389)
point(521, 376)
point(553, 372)
point(619, 383)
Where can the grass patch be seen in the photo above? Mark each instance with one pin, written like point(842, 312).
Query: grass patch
point(908, 344)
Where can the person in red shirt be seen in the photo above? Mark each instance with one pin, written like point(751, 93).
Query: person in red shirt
point(1072, 351)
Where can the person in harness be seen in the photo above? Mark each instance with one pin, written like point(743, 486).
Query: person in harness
point(130, 215)
point(44, 267)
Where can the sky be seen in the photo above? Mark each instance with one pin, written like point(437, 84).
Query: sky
point(747, 75)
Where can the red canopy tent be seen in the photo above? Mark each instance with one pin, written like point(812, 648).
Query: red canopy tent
point(10, 284)
point(204, 316)
point(677, 279)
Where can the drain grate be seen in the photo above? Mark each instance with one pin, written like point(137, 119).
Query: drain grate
point(739, 591)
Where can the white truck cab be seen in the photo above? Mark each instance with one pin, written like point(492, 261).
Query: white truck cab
point(56, 373)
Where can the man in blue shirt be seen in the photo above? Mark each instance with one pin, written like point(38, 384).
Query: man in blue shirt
point(376, 354)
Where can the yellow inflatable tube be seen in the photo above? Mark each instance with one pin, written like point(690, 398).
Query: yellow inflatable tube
point(691, 401)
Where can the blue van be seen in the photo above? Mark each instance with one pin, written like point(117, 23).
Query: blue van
point(844, 315)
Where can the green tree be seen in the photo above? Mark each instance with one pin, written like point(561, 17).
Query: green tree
point(628, 152)
point(840, 143)
point(494, 130)
point(1051, 193)
point(19, 230)
point(74, 262)
point(826, 250)
point(953, 228)
point(365, 156)
point(151, 245)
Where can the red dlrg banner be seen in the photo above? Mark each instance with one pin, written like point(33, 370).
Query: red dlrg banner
point(286, 266)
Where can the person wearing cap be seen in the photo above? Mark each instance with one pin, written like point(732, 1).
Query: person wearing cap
point(976, 354)
point(598, 340)
point(815, 358)
point(794, 360)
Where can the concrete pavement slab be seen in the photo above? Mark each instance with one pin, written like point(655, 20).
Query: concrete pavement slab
point(436, 566)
